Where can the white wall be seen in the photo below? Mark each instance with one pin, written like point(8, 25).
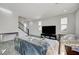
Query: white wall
point(8, 22)
point(21, 33)
point(77, 22)
point(71, 23)
point(54, 21)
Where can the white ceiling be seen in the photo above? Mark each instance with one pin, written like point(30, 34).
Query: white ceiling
point(40, 10)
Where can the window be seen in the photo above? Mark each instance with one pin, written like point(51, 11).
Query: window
point(40, 25)
point(64, 22)
point(25, 25)
point(40, 28)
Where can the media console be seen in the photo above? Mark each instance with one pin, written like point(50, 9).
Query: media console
point(53, 36)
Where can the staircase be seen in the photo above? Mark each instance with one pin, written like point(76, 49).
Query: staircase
point(21, 27)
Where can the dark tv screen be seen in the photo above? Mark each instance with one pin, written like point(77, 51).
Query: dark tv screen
point(49, 30)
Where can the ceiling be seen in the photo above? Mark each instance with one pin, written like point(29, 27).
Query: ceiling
point(40, 10)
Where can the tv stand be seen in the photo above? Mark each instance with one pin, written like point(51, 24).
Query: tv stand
point(49, 36)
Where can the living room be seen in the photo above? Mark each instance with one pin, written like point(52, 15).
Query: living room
point(29, 19)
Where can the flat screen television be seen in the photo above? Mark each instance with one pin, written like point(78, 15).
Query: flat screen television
point(49, 30)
